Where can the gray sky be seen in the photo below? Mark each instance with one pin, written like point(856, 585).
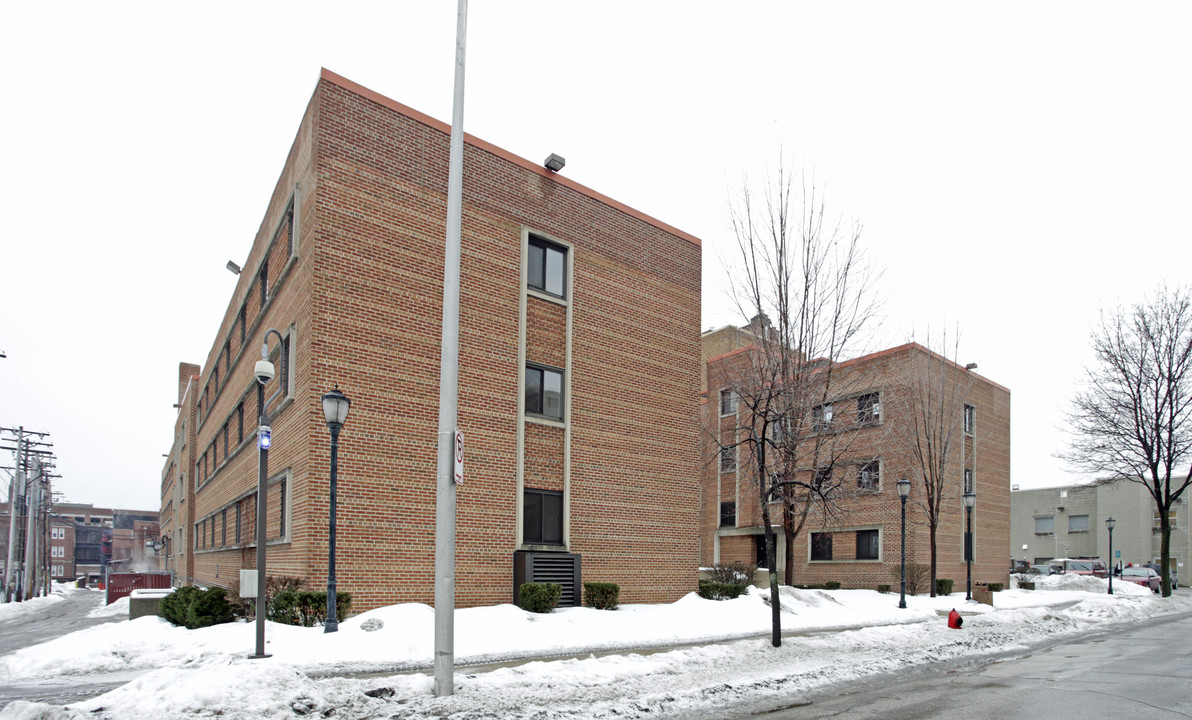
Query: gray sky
point(1017, 167)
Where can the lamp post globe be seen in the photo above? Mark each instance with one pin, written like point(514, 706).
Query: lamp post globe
point(904, 490)
point(335, 412)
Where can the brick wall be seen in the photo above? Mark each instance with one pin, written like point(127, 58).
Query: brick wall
point(361, 300)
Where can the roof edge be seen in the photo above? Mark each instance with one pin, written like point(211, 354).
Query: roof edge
point(521, 162)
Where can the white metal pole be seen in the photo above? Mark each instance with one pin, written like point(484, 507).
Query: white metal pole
point(444, 682)
point(16, 490)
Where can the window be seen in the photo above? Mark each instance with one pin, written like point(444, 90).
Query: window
point(823, 476)
point(1045, 525)
point(760, 558)
point(546, 269)
point(728, 459)
point(239, 424)
point(215, 376)
point(57, 551)
point(225, 441)
point(223, 535)
point(228, 357)
point(237, 523)
point(867, 545)
point(968, 480)
point(243, 323)
point(728, 514)
point(542, 520)
point(869, 408)
point(1157, 519)
point(868, 475)
point(821, 546)
point(1078, 523)
point(58, 533)
point(821, 417)
point(281, 508)
point(970, 419)
point(544, 392)
point(263, 279)
point(728, 402)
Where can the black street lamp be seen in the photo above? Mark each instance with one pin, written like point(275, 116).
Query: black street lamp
point(970, 500)
point(1109, 523)
point(335, 410)
point(904, 489)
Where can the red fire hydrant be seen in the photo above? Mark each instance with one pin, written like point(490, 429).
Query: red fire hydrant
point(954, 620)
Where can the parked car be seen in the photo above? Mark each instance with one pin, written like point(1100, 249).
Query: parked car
point(1142, 575)
point(1159, 569)
point(1042, 570)
point(1082, 566)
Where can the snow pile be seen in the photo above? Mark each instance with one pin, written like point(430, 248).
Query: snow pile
point(836, 636)
point(117, 608)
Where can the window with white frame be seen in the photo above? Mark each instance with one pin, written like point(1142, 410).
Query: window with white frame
point(728, 459)
point(968, 480)
point(546, 267)
point(821, 417)
point(868, 545)
point(728, 402)
point(57, 551)
point(869, 408)
point(1157, 519)
point(970, 419)
point(58, 533)
point(868, 475)
point(544, 391)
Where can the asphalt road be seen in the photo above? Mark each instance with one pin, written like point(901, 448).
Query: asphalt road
point(42, 626)
point(1142, 670)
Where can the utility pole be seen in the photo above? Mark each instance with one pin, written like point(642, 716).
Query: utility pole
point(16, 493)
point(24, 500)
point(28, 580)
point(444, 677)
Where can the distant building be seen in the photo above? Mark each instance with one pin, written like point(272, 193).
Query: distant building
point(1069, 521)
point(579, 372)
point(870, 429)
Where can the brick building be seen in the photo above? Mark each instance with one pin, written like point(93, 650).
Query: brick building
point(868, 429)
point(579, 374)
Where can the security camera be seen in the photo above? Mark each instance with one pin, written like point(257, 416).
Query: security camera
point(263, 371)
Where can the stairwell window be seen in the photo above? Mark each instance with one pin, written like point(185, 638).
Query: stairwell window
point(728, 403)
point(728, 514)
point(728, 459)
point(868, 475)
point(544, 391)
point(542, 517)
point(546, 269)
point(970, 419)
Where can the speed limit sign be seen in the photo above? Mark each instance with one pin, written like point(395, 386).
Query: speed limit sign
point(459, 457)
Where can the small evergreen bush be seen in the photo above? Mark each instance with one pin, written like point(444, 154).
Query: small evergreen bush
point(1026, 584)
point(601, 595)
point(307, 608)
point(995, 587)
point(712, 590)
point(539, 597)
point(883, 589)
point(943, 586)
point(832, 585)
point(193, 607)
point(737, 573)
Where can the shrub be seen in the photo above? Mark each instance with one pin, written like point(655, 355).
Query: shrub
point(883, 589)
point(711, 590)
point(1026, 585)
point(194, 607)
point(307, 608)
point(736, 574)
point(539, 597)
point(832, 585)
point(602, 596)
point(943, 586)
point(995, 587)
point(918, 577)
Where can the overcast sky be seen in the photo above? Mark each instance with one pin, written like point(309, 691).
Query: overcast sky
point(1017, 167)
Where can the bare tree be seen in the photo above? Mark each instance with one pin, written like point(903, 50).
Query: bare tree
point(803, 280)
point(1133, 417)
point(934, 403)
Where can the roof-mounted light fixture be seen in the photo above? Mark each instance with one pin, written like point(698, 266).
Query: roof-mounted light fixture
point(971, 366)
point(554, 162)
point(233, 268)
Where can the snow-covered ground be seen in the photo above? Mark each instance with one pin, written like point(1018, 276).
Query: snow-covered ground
point(704, 657)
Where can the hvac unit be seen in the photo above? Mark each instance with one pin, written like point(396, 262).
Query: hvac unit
point(549, 567)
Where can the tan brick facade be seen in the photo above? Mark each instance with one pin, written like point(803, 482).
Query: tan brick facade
point(350, 252)
point(883, 444)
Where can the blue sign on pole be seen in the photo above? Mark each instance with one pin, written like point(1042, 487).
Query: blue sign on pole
point(264, 435)
point(1117, 553)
